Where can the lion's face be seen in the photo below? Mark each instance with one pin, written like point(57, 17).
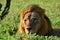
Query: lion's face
point(31, 22)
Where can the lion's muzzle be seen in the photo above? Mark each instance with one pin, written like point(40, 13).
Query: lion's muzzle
point(29, 28)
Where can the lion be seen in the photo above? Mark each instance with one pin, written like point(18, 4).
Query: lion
point(34, 20)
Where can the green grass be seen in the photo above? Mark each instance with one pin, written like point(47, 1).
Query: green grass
point(11, 20)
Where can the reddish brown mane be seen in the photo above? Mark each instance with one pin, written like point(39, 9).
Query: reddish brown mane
point(46, 27)
point(32, 8)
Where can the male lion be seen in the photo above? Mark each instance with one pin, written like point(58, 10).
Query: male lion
point(33, 20)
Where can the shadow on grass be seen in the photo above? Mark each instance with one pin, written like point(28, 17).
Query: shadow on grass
point(0, 6)
point(6, 9)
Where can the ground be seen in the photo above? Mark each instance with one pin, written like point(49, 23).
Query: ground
point(11, 20)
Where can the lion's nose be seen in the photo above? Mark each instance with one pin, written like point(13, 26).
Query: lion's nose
point(29, 28)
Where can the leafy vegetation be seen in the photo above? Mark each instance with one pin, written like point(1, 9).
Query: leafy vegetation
point(11, 21)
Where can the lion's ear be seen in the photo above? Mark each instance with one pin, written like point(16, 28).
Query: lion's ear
point(41, 11)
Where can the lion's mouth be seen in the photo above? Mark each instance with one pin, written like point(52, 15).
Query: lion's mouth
point(30, 31)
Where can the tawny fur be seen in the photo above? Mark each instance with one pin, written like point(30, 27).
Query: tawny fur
point(46, 28)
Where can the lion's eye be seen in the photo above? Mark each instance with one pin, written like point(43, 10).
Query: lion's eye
point(25, 20)
point(35, 19)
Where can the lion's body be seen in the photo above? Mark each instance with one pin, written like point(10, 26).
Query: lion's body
point(33, 20)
